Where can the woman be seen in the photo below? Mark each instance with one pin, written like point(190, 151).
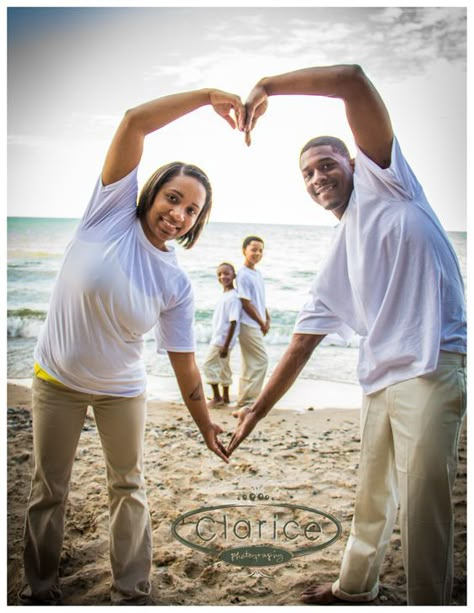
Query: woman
point(119, 279)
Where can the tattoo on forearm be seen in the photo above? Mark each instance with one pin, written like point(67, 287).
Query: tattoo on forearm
point(196, 394)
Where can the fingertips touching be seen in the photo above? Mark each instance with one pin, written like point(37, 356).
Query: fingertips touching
point(222, 453)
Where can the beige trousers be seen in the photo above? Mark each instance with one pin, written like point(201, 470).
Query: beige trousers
point(216, 369)
point(58, 417)
point(410, 433)
point(254, 364)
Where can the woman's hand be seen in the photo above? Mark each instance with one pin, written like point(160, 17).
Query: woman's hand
point(224, 103)
point(213, 443)
point(190, 385)
point(255, 107)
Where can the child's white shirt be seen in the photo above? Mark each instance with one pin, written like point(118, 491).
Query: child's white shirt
point(250, 286)
point(227, 309)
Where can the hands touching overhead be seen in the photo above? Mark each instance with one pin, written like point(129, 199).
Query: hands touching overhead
point(238, 115)
point(255, 107)
point(224, 104)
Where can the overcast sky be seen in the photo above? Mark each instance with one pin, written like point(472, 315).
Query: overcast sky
point(72, 72)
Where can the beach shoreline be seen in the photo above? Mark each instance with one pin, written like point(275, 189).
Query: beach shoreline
point(304, 394)
point(298, 457)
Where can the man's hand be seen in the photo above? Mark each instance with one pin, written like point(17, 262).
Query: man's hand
point(213, 442)
point(223, 353)
point(247, 422)
point(255, 107)
point(224, 103)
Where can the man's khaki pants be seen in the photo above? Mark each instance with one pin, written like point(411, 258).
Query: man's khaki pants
point(254, 364)
point(58, 417)
point(410, 433)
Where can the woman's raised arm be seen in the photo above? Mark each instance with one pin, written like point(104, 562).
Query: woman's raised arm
point(126, 149)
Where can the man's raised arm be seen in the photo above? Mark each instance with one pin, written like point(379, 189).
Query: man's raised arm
point(366, 112)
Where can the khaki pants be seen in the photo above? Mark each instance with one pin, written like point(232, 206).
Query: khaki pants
point(216, 369)
point(410, 434)
point(58, 417)
point(254, 364)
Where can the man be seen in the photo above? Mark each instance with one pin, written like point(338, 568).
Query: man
point(392, 276)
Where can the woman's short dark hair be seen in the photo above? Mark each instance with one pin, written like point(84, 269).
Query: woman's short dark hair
point(336, 143)
point(249, 239)
point(163, 175)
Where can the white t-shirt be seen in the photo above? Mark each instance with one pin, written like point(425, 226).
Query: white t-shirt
point(250, 286)
point(227, 309)
point(113, 287)
point(391, 275)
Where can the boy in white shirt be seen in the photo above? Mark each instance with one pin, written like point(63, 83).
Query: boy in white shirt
point(225, 331)
point(255, 322)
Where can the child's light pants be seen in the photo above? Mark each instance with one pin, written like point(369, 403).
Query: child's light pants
point(410, 433)
point(254, 364)
point(216, 369)
point(58, 417)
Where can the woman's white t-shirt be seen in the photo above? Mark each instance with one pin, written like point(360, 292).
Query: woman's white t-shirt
point(113, 287)
point(392, 276)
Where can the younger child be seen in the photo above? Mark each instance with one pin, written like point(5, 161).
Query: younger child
point(225, 331)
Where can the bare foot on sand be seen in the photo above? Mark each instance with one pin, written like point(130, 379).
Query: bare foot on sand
point(215, 402)
point(319, 594)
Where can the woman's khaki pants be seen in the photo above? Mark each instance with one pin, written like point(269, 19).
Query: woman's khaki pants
point(254, 364)
point(58, 417)
point(409, 443)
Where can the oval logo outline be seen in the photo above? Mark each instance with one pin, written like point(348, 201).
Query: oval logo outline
point(298, 552)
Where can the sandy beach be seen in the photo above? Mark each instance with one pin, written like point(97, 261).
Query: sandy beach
point(304, 457)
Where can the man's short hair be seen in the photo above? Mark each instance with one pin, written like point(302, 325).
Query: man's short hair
point(336, 143)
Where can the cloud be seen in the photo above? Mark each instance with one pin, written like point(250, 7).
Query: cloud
point(387, 16)
point(268, 41)
point(418, 35)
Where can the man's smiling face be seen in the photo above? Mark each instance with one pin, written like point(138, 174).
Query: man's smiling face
point(328, 176)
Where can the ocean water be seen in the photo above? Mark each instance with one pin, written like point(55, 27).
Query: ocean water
point(292, 256)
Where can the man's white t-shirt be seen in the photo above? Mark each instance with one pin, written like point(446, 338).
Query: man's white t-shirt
point(113, 287)
point(250, 286)
point(391, 275)
point(227, 309)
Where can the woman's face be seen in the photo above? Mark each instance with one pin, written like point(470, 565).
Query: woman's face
point(174, 211)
